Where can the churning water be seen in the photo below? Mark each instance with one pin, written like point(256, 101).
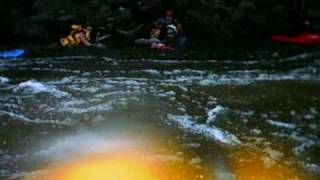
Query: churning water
point(84, 117)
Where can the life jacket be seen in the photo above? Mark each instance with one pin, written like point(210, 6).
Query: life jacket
point(72, 38)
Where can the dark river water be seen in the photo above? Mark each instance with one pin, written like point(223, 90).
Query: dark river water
point(101, 118)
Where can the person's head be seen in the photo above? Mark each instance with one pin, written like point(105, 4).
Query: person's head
point(75, 27)
point(169, 15)
point(171, 32)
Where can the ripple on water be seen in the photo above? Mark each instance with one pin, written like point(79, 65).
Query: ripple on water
point(23, 118)
point(281, 124)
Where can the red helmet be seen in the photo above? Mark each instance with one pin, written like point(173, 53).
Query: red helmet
point(169, 13)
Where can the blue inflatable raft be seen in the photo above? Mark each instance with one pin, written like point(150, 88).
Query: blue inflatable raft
point(12, 53)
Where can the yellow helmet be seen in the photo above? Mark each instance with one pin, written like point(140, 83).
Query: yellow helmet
point(76, 26)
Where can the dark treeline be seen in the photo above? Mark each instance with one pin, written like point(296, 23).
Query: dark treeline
point(47, 20)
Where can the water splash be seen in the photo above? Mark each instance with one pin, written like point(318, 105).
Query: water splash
point(36, 87)
point(211, 132)
point(213, 113)
point(4, 80)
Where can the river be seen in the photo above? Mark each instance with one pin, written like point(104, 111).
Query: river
point(87, 117)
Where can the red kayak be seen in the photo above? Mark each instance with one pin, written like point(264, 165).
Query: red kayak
point(161, 47)
point(303, 38)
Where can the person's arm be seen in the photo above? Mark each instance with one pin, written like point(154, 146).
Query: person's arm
point(180, 29)
point(84, 40)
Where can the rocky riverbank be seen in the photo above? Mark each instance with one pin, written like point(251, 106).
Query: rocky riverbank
point(205, 20)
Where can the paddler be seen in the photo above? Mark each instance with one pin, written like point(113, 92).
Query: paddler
point(78, 36)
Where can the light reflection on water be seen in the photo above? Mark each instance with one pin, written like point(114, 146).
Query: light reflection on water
point(132, 161)
point(200, 122)
point(107, 156)
point(252, 164)
point(125, 165)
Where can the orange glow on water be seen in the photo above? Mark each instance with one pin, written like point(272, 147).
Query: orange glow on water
point(124, 166)
point(253, 165)
point(156, 162)
point(121, 168)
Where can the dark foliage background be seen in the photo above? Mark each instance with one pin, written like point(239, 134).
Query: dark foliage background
point(203, 20)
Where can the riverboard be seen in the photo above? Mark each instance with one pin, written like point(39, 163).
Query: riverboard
point(12, 53)
point(303, 38)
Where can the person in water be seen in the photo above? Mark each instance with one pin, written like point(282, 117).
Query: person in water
point(171, 30)
point(78, 36)
point(168, 42)
point(166, 30)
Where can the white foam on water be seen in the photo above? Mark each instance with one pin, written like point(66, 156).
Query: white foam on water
point(91, 109)
point(303, 142)
point(190, 72)
point(74, 102)
point(245, 77)
point(74, 57)
point(133, 82)
point(213, 113)
point(212, 132)
point(108, 94)
point(273, 154)
point(89, 89)
point(311, 167)
point(183, 88)
point(4, 80)
point(126, 81)
point(30, 175)
point(23, 118)
point(303, 146)
point(300, 57)
point(65, 80)
point(152, 72)
point(61, 58)
point(281, 124)
point(16, 116)
point(171, 61)
point(107, 86)
point(314, 111)
point(215, 80)
point(187, 71)
point(83, 144)
point(188, 79)
point(38, 87)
